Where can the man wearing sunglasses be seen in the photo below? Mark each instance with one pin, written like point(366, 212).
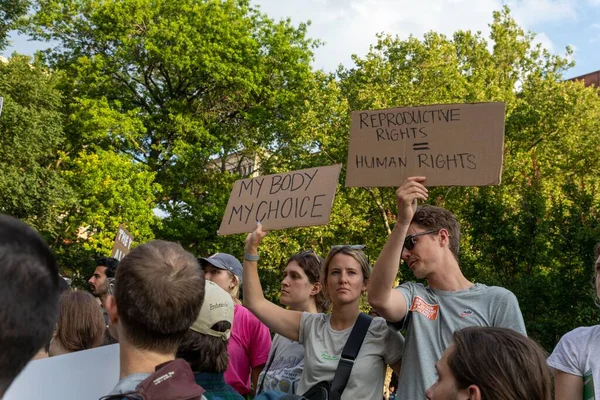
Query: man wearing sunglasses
point(427, 238)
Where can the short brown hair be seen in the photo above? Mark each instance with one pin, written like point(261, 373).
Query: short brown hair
point(312, 264)
point(348, 250)
point(80, 322)
point(504, 364)
point(205, 353)
point(432, 217)
point(159, 289)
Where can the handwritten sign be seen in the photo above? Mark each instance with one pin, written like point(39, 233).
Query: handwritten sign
point(86, 374)
point(291, 199)
point(451, 144)
point(122, 243)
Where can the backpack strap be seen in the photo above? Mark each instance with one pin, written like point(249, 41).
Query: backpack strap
point(349, 353)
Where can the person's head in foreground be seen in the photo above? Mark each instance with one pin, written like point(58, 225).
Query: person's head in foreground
point(159, 290)
point(486, 363)
point(80, 324)
point(205, 344)
point(28, 297)
point(301, 286)
point(225, 270)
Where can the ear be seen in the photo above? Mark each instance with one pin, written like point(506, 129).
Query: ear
point(316, 289)
point(444, 237)
point(234, 281)
point(111, 308)
point(364, 286)
point(474, 392)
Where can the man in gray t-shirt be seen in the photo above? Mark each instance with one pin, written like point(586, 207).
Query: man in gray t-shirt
point(427, 239)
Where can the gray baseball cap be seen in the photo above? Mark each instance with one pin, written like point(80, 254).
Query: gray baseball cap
point(223, 261)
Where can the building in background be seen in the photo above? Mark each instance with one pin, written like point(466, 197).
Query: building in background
point(593, 78)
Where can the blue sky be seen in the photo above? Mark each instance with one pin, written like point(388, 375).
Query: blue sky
point(349, 26)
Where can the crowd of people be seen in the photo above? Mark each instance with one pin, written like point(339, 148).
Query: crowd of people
point(183, 332)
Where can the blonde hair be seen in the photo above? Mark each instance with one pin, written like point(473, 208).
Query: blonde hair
point(235, 291)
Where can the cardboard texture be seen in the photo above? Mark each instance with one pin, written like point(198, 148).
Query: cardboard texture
point(286, 200)
point(449, 144)
point(122, 243)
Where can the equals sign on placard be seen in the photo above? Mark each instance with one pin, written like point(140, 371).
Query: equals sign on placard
point(421, 146)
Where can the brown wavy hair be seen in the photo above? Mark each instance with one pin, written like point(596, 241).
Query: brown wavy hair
point(312, 264)
point(432, 217)
point(502, 363)
point(80, 322)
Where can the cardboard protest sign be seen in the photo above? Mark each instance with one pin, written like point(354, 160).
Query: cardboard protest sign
point(286, 200)
point(122, 243)
point(86, 374)
point(450, 144)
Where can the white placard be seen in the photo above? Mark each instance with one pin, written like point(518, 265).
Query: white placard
point(87, 374)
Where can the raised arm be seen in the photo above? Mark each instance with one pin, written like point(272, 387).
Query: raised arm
point(278, 319)
point(390, 303)
point(567, 386)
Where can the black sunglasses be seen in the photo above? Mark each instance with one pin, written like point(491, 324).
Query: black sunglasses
point(409, 242)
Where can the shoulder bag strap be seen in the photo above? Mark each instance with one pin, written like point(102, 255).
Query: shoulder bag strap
point(262, 382)
point(349, 353)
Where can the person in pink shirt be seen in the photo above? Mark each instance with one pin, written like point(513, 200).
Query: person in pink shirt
point(250, 340)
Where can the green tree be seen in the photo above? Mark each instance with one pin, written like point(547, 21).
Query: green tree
point(179, 87)
point(534, 233)
point(112, 190)
point(31, 185)
point(10, 13)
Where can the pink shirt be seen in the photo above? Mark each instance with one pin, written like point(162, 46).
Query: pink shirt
point(248, 347)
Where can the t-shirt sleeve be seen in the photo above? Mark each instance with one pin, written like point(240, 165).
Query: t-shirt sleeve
point(508, 313)
point(565, 356)
point(306, 321)
point(408, 291)
point(261, 343)
point(394, 346)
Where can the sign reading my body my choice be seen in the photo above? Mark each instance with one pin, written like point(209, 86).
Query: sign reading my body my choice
point(450, 144)
point(286, 200)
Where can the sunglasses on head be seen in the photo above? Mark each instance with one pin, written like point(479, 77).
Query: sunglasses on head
point(349, 246)
point(309, 252)
point(409, 242)
point(360, 247)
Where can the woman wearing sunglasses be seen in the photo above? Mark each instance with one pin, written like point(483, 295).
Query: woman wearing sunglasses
point(346, 271)
point(301, 291)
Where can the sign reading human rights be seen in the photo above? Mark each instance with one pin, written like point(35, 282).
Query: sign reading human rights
point(286, 200)
point(450, 144)
point(122, 243)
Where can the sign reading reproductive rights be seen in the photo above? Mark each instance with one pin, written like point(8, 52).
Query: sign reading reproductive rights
point(449, 144)
point(286, 200)
point(122, 243)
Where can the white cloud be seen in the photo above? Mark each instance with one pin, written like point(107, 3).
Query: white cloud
point(349, 26)
point(541, 37)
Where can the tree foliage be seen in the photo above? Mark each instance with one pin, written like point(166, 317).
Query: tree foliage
point(10, 13)
point(31, 136)
point(159, 97)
